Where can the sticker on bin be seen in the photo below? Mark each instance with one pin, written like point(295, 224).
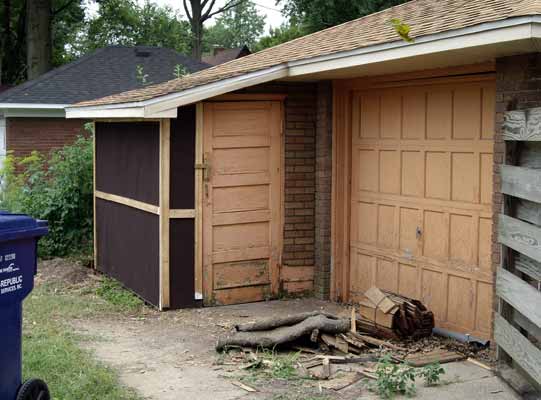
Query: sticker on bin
point(11, 284)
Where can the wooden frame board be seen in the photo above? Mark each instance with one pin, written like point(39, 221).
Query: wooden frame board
point(198, 265)
point(165, 146)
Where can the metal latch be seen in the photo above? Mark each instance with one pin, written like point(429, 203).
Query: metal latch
point(205, 166)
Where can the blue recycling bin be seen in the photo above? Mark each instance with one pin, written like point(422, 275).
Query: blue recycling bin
point(19, 236)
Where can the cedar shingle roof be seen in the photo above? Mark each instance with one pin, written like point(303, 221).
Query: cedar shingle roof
point(106, 71)
point(425, 17)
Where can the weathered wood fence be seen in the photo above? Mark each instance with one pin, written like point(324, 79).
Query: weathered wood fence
point(517, 323)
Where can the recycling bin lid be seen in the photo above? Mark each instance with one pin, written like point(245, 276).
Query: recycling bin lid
point(19, 226)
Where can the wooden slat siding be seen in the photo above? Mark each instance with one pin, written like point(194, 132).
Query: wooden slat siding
point(521, 182)
point(522, 125)
point(528, 211)
point(519, 294)
point(529, 326)
point(164, 171)
point(528, 266)
point(520, 236)
point(518, 347)
point(149, 208)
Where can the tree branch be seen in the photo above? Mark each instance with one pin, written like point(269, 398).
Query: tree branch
point(62, 8)
point(205, 15)
point(187, 11)
point(228, 6)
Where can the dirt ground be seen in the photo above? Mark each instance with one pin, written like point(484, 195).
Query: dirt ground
point(171, 356)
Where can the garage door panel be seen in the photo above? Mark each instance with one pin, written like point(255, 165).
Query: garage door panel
point(489, 111)
point(461, 305)
point(410, 222)
point(465, 178)
point(391, 114)
point(387, 226)
point(467, 112)
point(369, 116)
point(462, 240)
point(436, 235)
point(367, 161)
point(413, 173)
point(408, 278)
point(421, 221)
point(438, 170)
point(487, 170)
point(389, 171)
point(433, 293)
point(439, 114)
point(363, 270)
point(414, 118)
point(387, 275)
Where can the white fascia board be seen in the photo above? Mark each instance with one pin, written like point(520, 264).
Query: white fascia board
point(217, 88)
point(482, 35)
point(33, 106)
point(168, 104)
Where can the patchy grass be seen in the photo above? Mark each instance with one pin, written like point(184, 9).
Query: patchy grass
point(51, 350)
point(114, 293)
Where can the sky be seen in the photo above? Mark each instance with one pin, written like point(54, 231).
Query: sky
point(264, 7)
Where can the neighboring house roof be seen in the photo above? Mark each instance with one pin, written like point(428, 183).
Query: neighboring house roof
point(106, 71)
point(426, 18)
point(222, 56)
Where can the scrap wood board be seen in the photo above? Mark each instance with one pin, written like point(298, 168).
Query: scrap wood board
point(436, 356)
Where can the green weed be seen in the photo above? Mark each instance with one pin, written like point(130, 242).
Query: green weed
point(113, 292)
point(51, 350)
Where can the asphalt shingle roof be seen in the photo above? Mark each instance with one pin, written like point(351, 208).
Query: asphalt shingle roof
point(106, 71)
point(425, 17)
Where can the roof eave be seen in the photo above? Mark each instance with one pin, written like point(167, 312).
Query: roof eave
point(32, 110)
point(508, 30)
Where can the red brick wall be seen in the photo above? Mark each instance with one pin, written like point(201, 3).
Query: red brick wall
point(23, 135)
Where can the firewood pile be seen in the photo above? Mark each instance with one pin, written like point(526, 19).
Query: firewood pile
point(391, 316)
point(382, 316)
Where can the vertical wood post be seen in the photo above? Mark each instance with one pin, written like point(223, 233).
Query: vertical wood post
point(165, 146)
point(95, 233)
point(198, 265)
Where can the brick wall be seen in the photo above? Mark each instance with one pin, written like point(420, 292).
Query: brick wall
point(322, 273)
point(518, 86)
point(23, 135)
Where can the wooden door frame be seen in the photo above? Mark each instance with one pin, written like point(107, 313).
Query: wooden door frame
point(202, 291)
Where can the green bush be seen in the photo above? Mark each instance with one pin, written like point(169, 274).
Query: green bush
point(57, 188)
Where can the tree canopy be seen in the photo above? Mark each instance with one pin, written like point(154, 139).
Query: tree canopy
point(238, 26)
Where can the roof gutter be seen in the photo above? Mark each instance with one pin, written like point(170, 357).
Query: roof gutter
point(33, 110)
point(508, 30)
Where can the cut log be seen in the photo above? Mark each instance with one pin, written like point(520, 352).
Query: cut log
point(284, 334)
point(314, 336)
point(271, 323)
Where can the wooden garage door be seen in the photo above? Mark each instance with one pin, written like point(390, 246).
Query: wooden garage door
point(241, 201)
point(421, 197)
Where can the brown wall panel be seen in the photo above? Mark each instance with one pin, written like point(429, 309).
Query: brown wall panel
point(181, 270)
point(183, 158)
point(127, 159)
point(128, 247)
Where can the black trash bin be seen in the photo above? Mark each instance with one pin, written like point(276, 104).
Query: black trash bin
point(19, 236)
